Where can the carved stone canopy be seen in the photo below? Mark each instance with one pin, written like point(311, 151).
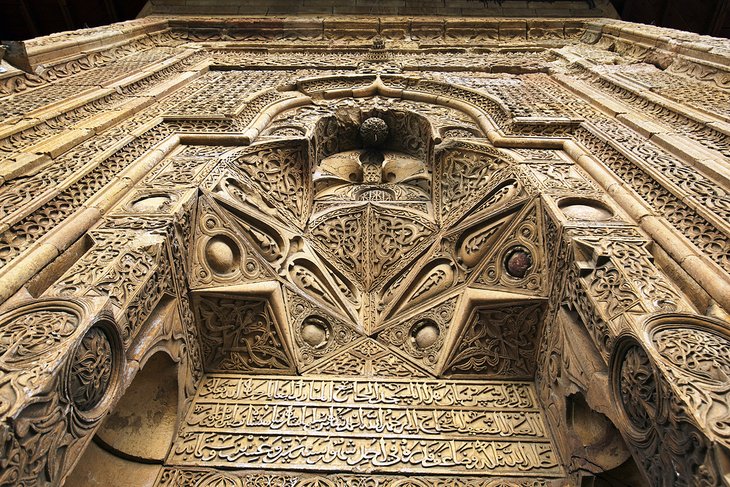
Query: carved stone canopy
point(348, 252)
point(362, 252)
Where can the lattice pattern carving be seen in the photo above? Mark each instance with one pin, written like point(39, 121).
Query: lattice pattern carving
point(549, 202)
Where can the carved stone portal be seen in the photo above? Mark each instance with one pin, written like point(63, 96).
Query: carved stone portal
point(381, 252)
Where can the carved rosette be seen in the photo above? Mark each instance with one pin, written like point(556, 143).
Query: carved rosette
point(695, 353)
point(94, 369)
point(61, 365)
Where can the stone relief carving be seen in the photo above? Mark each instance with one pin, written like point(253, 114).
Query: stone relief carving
point(426, 249)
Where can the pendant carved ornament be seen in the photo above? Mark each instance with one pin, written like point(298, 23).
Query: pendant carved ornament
point(380, 253)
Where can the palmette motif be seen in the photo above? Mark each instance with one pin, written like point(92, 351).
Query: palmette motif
point(523, 281)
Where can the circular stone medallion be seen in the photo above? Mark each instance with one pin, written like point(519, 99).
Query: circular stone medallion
point(91, 372)
point(585, 210)
point(425, 334)
point(150, 203)
point(518, 262)
point(222, 254)
point(374, 132)
point(315, 332)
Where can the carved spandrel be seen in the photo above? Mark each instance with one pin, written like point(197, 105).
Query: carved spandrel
point(281, 173)
point(462, 174)
point(370, 242)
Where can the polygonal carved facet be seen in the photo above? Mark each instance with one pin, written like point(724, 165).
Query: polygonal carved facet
point(280, 171)
point(241, 334)
point(367, 358)
point(422, 335)
point(462, 173)
point(370, 242)
point(518, 260)
point(498, 342)
point(317, 333)
point(220, 254)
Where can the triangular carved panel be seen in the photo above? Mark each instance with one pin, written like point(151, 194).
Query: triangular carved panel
point(448, 264)
point(241, 334)
point(507, 188)
point(270, 240)
point(499, 341)
point(519, 258)
point(221, 256)
point(395, 238)
point(422, 334)
point(281, 172)
point(367, 358)
point(308, 273)
point(341, 235)
point(462, 177)
point(233, 186)
point(317, 333)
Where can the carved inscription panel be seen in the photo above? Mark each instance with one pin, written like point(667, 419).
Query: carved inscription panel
point(365, 425)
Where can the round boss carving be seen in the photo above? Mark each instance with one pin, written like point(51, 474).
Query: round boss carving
point(518, 262)
point(222, 254)
point(315, 331)
point(373, 132)
point(91, 370)
point(424, 334)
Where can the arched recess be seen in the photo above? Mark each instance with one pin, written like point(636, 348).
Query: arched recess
point(491, 116)
point(134, 439)
point(440, 334)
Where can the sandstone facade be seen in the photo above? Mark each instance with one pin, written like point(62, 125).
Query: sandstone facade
point(365, 252)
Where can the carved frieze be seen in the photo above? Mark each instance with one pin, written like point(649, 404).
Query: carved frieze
point(384, 252)
point(422, 426)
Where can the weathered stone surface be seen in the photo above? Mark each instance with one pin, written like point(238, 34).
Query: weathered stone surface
point(397, 251)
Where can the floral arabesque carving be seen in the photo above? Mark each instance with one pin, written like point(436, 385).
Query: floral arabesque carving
point(453, 227)
point(694, 352)
point(51, 403)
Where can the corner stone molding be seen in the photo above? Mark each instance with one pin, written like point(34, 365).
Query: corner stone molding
point(61, 365)
point(673, 399)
